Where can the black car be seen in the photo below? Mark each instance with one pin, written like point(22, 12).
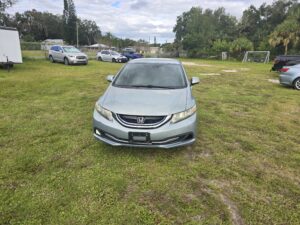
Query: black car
point(285, 60)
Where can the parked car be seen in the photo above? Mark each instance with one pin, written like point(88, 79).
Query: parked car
point(290, 76)
point(10, 48)
point(110, 56)
point(285, 60)
point(149, 103)
point(131, 54)
point(67, 55)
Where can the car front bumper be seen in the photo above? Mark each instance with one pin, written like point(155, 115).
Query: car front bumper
point(78, 61)
point(286, 80)
point(166, 136)
point(122, 60)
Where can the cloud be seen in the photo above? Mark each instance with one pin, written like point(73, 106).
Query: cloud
point(137, 5)
point(136, 19)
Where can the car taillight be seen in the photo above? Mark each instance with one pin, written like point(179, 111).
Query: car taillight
point(283, 70)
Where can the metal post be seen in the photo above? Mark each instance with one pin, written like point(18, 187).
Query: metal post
point(77, 33)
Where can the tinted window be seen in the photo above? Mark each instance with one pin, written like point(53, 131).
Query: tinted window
point(151, 75)
point(53, 48)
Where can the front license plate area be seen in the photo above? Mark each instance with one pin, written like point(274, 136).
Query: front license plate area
point(139, 137)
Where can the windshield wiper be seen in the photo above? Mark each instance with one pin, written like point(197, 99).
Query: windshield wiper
point(151, 86)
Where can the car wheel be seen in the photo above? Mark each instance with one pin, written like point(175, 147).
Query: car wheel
point(51, 59)
point(66, 61)
point(297, 84)
point(99, 58)
point(113, 60)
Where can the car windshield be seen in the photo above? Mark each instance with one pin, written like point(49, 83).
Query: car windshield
point(114, 53)
point(71, 50)
point(151, 75)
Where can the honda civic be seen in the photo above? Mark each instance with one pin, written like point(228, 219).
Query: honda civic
point(149, 103)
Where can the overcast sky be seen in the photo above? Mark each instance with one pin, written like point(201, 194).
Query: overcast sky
point(136, 18)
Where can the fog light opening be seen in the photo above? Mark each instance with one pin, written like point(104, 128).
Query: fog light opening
point(98, 132)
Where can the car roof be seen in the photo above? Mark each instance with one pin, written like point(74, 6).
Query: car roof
point(155, 60)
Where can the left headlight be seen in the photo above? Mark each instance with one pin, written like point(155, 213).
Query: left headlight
point(71, 56)
point(104, 112)
point(183, 115)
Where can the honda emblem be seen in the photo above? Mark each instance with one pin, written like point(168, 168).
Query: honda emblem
point(140, 120)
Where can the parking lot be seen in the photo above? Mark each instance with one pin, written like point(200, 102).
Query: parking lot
point(243, 168)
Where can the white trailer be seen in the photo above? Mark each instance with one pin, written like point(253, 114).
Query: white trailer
point(10, 48)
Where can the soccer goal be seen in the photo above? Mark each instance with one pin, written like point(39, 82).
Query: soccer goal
point(257, 56)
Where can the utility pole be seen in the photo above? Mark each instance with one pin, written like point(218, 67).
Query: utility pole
point(77, 33)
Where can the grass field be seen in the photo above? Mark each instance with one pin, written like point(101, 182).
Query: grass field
point(243, 169)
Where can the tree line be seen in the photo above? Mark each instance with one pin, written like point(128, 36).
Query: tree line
point(274, 27)
point(38, 26)
point(35, 26)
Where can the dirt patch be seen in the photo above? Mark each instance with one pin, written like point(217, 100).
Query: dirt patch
point(229, 71)
point(235, 216)
point(244, 69)
point(273, 81)
point(195, 64)
point(210, 74)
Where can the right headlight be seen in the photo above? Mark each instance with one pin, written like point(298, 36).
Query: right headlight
point(183, 115)
point(103, 112)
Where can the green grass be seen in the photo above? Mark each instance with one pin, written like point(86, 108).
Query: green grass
point(243, 169)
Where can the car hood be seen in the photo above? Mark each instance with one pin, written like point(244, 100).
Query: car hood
point(76, 54)
point(138, 101)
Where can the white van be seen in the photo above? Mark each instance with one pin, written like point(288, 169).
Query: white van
point(10, 48)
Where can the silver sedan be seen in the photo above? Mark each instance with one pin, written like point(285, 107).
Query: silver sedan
point(290, 76)
point(110, 56)
point(150, 104)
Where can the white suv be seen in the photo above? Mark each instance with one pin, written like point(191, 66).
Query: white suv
point(67, 55)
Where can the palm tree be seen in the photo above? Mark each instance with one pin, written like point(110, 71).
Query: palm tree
point(285, 33)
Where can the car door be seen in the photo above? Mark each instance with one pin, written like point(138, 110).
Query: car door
point(106, 56)
point(54, 52)
point(109, 56)
point(60, 54)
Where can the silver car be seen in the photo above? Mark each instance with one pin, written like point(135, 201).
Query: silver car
point(150, 104)
point(67, 55)
point(110, 56)
point(290, 76)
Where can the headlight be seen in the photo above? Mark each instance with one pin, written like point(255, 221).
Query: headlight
point(183, 115)
point(71, 56)
point(104, 112)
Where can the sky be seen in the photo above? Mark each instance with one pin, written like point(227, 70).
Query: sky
point(136, 19)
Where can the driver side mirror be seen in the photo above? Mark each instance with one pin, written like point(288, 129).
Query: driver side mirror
point(195, 80)
point(110, 78)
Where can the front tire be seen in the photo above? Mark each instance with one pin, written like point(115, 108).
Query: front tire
point(113, 60)
point(296, 84)
point(66, 61)
point(100, 59)
point(51, 59)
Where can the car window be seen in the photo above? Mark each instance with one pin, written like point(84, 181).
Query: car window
point(114, 53)
point(71, 49)
point(151, 75)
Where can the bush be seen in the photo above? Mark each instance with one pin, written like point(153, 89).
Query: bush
point(30, 45)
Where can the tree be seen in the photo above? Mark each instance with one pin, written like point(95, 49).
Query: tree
point(70, 20)
point(89, 32)
point(5, 4)
point(241, 44)
point(197, 29)
point(286, 33)
point(221, 46)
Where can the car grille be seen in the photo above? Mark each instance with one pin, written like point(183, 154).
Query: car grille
point(80, 57)
point(137, 121)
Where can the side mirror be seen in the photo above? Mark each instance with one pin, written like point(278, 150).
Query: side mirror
point(195, 80)
point(110, 78)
